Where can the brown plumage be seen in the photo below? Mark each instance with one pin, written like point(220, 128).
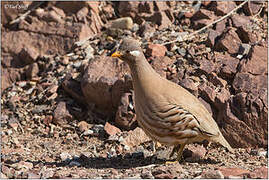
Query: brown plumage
point(166, 111)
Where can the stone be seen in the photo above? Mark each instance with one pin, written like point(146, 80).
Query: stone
point(212, 35)
point(125, 116)
point(146, 30)
point(252, 8)
point(162, 173)
point(212, 174)
point(221, 98)
point(122, 23)
point(33, 176)
point(61, 115)
point(82, 13)
point(194, 152)
point(83, 126)
point(217, 81)
point(28, 55)
point(23, 165)
point(52, 16)
point(190, 86)
point(257, 64)
point(240, 20)
point(32, 71)
point(245, 82)
point(111, 130)
point(73, 88)
point(226, 65)
point(207, 92)
point(261, 172)
point(244, 116)
point(48, 119)
point(224, 7)
point(135, 137)
point(96, 83)
point(233, 172)
point(229, 41)
point(155, 12)
point(160, 64)
point(206, 66)
point(155, 50)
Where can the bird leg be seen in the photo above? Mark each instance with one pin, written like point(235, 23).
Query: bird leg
point(156, 145)
point(180, 152)
point(179, 149)
point(175, 149)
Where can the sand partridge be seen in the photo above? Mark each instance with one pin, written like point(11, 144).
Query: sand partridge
point(167, 112)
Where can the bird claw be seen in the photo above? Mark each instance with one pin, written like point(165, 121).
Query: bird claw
point(171, 162)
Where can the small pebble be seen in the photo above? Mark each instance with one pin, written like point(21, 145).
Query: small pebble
point(74, 163)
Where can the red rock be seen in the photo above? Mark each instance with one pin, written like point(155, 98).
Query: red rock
point(28, 55)
point(190, 86)
point(96, 83)
point(245, 82)
point(222, 97)
point(9, 172)
point(217, 81)
point(229, 41)
point(257, 64)
point(72, 87)
point(261, 172)
point(9, 13)
point(240, 20)
point(52, 16)
point(33, 176)
point(207, 92)
point(60, 12)
point(212, 34)
point(155, 12)
point(146, 30)
point(32, 71)
point(71, 7)
point(253, 7)
point(161, 173)
point(227, 65)
point(203, 14)
point(233, 172)
point(221, 26)
point(194, 152)
point(135, 138)
point(82, 13)
point(156, 50)
point(161, 63)
point(61, 114)
point(48, 119)
point(206, 3)
point(224, 7)
point(212, 174)
point(110, 129)
point(206, 66)
point(125, 117)
point(83, 126)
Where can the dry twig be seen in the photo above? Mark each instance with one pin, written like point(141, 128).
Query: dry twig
point(191, 35)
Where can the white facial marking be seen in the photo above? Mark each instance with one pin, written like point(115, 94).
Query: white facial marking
point(135, 53)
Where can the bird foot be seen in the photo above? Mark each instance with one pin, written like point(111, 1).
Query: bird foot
point(171, 162)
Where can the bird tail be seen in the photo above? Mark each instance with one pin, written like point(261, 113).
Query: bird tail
point(220, 139)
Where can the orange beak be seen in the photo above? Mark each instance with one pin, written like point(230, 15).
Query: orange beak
point(117, 54)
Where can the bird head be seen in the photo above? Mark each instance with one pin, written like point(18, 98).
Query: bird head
point(129, 51)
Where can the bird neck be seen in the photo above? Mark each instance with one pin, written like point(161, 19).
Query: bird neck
point(144, 76)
